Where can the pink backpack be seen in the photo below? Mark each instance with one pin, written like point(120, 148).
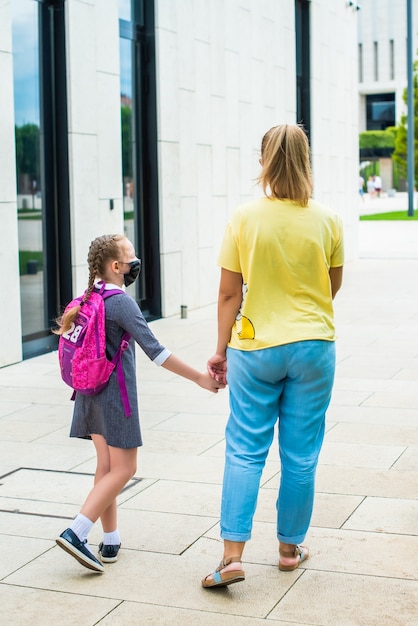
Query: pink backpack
point(82, 349)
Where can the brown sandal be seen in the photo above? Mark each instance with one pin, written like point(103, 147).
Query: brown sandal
point(227, 578)
point(298, 551)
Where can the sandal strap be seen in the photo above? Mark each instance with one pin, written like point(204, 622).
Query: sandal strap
point(297, 551)
point(225, 562)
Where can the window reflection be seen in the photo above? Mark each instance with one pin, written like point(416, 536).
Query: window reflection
point(29, 189)
point(127, 151)
point(125, 10)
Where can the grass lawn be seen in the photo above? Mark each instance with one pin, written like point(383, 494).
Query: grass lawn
point(390, 216)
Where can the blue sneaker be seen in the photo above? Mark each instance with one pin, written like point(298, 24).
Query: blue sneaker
point(108, 554)
point(69, 542)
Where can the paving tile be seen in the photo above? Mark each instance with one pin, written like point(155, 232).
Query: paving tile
point(365, 553)
point(13, 428)
point(408, 460)
point(21, 606)
point(178, 497)
point(158, 579)
point(163, 441)
point(47, 413)
point(19, 551)
point(7, 408)
point(139, 613)
point(376, 434)
point(372, 415)
point(158, 532)
point(194, 423)
point(40, 395)
point(367, 368)
point(404, 399)
point(349, 600)
point(57, 487)
point(359, 455)
point(385, 515)
point(330, 510)
point(348, 397)
point(364, 481)
point(36, 455)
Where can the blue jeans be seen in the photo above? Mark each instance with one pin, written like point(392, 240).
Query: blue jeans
point(291, 384)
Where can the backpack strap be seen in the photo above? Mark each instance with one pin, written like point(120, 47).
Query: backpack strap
point(117, 359)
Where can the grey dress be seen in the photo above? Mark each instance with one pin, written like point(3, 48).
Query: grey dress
point(103, 413)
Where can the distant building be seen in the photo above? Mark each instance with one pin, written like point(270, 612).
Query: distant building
point(382, 66)
point(145, 117)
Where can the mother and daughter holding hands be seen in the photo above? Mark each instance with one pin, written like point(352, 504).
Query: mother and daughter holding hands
point(281, 265)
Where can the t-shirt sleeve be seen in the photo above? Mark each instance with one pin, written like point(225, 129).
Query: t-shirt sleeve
point(129, 317)
point(229, 253)
point(337, 255)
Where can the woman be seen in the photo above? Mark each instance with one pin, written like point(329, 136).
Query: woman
point(281, 260)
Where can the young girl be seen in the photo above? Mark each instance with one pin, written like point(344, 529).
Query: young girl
point(101, 417)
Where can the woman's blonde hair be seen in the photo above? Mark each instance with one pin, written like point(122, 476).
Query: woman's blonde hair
point(286, 168)
point(102, 250)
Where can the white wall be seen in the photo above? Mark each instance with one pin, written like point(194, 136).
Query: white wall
point(334, 113)
point(225, 74)
point(11, 345)
point(94, 123)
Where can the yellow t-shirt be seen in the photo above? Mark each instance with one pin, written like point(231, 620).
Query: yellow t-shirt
point(284, 253)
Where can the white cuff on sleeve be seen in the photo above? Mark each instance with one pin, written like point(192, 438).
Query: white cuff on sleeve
point(162, 357)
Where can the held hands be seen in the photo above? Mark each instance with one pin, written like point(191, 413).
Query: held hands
point(217, 368)
point(209, 383)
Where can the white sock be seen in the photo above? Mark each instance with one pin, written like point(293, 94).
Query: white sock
point(81, 526)
point(111, 539)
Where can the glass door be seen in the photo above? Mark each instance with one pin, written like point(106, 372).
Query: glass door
point(30, 202)
point(38, 45)
point(139, 147)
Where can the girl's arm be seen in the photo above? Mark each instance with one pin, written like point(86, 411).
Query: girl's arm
point(175, 365)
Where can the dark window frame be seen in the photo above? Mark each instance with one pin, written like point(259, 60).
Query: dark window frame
point(141, 31)
point(303, 65)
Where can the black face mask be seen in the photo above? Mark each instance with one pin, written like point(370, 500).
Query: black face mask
point(133, 273)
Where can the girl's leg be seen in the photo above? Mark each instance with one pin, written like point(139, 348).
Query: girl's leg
point(106, 489)
point(304, 401)
point(109, 517)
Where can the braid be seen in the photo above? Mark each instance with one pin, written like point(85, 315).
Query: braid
point(102, 250)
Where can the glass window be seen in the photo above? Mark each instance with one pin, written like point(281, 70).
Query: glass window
point(29, 187)
point(125, 10)
point(380, 111)
point(127, 143)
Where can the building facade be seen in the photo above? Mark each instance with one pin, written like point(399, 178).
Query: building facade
point(145, 117)
point(382, 66)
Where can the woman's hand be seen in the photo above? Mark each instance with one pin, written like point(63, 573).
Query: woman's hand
point(217, 368)
point(207, 382)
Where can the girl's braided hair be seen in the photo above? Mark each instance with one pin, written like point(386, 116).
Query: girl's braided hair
point(102, 250)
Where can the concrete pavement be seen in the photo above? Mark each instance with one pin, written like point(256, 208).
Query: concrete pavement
point(364, 536)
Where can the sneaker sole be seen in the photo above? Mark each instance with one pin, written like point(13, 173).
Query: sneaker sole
point(83, 560)
point(107, 559)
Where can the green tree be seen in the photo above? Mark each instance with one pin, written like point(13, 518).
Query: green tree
point(126, 114)
point(400, 154)
point(27, 151)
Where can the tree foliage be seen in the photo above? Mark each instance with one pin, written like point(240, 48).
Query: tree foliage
point(27, 151)
point(401, 149)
